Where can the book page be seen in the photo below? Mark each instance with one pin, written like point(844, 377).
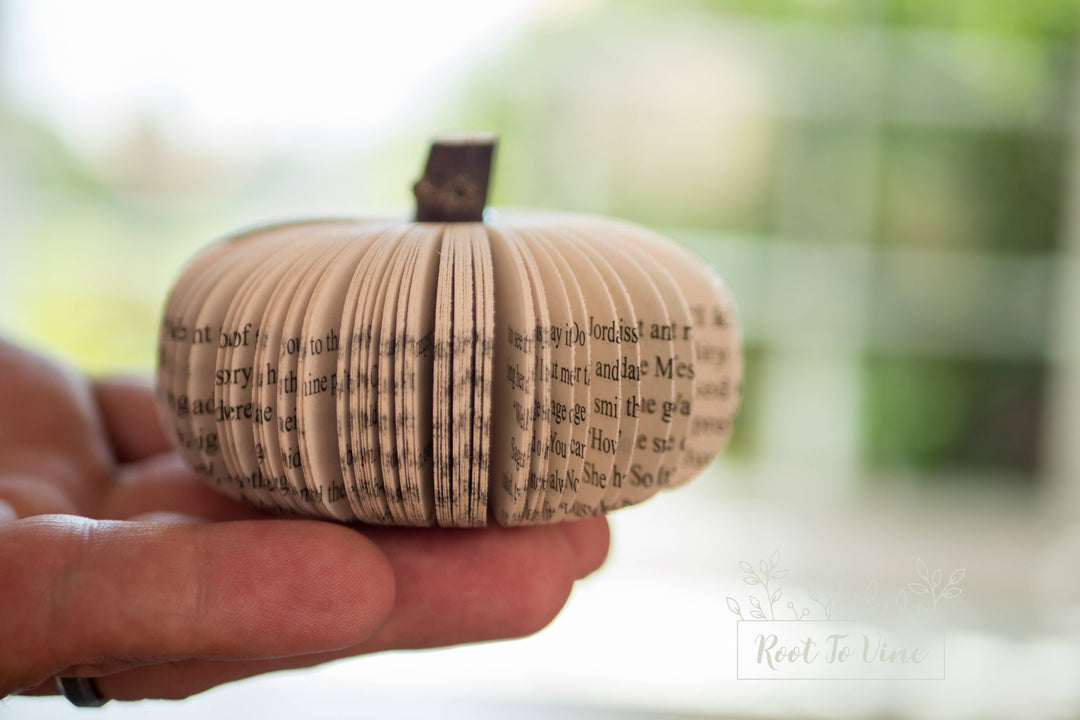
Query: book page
point(317, 371)
point(177, 331)
point(576, 376)
point(290, 385)
point(237, 376)
point(658, 436)
point(364, 369)
point(378, 448)
point(626, 331)
point(561, 476)
point(512, 381)
point(417, 352)
point(348, 450)
point(209, 336)
point(173, 366)
point(602, 330)
point(463, 380)
point(483, 355)
point(716, 369)
point(269, 358)
point(536, 485)
point(401, 506)
point(447, 510)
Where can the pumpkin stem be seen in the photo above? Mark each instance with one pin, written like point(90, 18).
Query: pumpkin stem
point(454, 186)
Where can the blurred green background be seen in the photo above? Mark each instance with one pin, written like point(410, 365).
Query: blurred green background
point(882, 183)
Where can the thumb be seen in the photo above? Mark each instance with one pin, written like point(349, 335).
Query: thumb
point(86, 597)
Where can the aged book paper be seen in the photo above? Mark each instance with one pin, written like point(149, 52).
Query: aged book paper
point(529, 369)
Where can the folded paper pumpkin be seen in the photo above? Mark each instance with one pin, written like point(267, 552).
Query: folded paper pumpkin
point(526, 367)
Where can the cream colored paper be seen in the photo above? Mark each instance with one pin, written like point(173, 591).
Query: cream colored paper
point(537, 368)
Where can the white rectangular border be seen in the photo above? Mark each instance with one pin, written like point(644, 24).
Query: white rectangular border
point(839, 650)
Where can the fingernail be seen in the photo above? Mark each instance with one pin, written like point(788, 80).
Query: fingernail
point(7, 513)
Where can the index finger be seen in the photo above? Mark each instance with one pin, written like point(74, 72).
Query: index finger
point(85, 596)
point(130, 417)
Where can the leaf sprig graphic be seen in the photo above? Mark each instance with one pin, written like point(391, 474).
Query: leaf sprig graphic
point(933, 586)
point(899, 604)
point(764, 576)
point(766, 593)
point(825, 600)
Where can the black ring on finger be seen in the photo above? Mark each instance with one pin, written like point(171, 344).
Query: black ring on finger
point(81, 691)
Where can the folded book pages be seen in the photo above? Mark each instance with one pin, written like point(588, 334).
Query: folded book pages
point(524, 367)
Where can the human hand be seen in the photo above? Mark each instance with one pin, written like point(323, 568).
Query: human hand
point(126, 567)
